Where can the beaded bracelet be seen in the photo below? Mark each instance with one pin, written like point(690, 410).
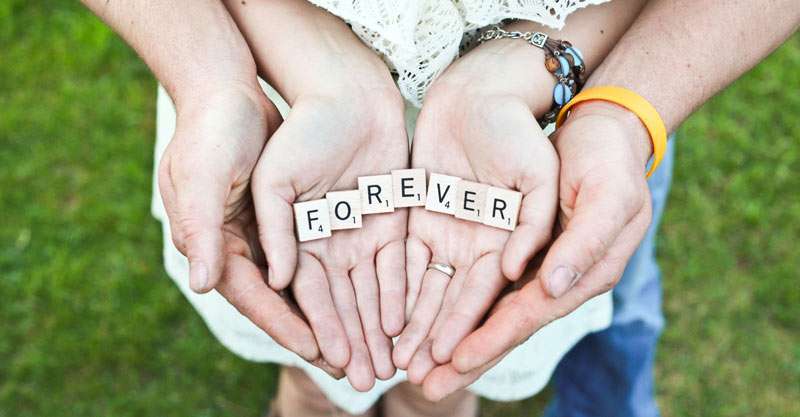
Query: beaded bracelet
point(562, 60)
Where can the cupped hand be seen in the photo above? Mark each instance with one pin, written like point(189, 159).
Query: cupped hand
point(204, 179)
point(605, 212)
point(352, 285)
point(346, 120)
point(482, 135)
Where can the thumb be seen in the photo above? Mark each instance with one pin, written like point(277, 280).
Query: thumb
point(194, 199)
point(599, 217)
point(533, 232)
point(276, 230)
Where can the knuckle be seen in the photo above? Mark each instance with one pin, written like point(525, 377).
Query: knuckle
point(594, 248)
point(271, 323)
point(179, 243)
point(188, 227)
point(526, 322)
point(239, 299)
point(606, 285)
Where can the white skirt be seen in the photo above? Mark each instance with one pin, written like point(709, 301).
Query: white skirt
point(521, 374)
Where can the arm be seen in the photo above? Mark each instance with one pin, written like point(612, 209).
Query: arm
point(196, 51)
point(604, 198)
point(679, 54)
point(189, 45)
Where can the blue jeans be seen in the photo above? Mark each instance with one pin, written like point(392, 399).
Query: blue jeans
point(610, 373)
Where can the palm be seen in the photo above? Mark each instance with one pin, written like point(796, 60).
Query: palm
point(498, 144)
point(320, 148)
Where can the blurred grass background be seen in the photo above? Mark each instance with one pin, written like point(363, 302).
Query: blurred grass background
point(90, 324)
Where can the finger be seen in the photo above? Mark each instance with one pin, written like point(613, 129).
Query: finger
point(359, 370)
point(445, 380)
point(434, 284)
point(599, 217)
point(380, 346)
point(481, 287)
point(276, 230)
point(335, 373)
point(313, 295)
point(421, 363)
point(417, 258)
point(195, 204)
point(532, 307)
point(243, 286)
point(391, 265)
point(534, 230)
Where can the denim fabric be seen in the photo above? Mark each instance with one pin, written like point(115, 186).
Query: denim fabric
point(610, 373)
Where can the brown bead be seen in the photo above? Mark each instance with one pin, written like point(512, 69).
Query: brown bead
point(551, 63)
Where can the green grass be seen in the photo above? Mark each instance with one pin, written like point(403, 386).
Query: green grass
point(91, 325)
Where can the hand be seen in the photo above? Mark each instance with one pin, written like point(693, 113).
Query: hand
point(605, 213)
point(478, 128)
point(325, 144)
point(346, 121)
point(204, 179)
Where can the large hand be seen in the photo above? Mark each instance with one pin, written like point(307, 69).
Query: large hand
point(480, 134)
point(605, 212)
point(204, 179)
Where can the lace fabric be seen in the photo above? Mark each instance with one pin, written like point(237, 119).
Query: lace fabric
point(418, 39)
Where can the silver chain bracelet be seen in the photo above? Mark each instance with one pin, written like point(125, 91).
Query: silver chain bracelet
point(562, 60)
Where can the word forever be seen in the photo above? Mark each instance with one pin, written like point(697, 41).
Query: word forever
point(466, 200)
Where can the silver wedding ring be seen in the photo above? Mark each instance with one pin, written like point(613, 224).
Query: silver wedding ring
point(443, 268)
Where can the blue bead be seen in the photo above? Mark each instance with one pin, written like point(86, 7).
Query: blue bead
point(575, 52)
point(561, 94)
point(564, 70)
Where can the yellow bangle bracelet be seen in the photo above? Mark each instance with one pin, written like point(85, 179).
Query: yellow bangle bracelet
point(637, 105)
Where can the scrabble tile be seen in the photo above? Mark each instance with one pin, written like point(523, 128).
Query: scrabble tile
point(376, 194)
point(312, 220)
point(502, 208)
point(442, 193)
point(408, 187)
point(471, 200)
point(345, 209)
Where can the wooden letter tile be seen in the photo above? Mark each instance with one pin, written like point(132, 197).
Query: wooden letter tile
point(376, 194)
point(345, 209)
point(312, 220)
point(502, 208)
point(408, 187)
point(470, 200)
point(442, 194)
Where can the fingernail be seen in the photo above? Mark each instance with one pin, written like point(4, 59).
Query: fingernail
point(560, 281)
point(198, 276)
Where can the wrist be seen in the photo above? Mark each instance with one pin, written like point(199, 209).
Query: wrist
point(227, 76)
point(635, 131)
point(501, 68)
point(323, 57)
point(230, 96)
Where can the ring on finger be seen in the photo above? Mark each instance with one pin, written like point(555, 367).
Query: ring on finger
point(446, 269)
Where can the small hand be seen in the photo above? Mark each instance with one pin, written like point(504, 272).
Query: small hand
point(204, 179)
point(346, 121)
point(605, 213)
point(325, 144)
point(490, 138)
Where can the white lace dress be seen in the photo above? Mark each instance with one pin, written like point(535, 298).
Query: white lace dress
point(417, 38)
